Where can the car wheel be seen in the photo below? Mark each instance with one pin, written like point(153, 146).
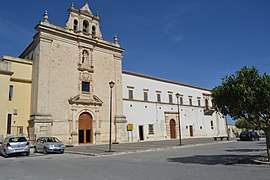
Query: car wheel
point(27, 154)
point(62, 152)
point(45, 150)
point(252, 139)
point(5, 154)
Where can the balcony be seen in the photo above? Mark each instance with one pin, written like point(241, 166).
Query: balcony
point(209, 112)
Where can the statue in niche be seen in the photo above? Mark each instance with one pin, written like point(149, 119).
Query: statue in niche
point(85, 57)
point(85, 63)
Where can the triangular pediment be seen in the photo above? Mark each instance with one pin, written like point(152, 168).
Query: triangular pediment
point(85, 101)
point(86, 8)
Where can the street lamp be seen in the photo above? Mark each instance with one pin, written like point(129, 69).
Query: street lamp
point(177, 96)
point(111, 84)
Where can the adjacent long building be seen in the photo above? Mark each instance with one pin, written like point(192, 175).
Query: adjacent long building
point(62, 89)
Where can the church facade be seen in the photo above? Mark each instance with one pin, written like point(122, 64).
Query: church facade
point(71, 68)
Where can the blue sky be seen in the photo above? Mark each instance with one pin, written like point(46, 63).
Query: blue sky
point(191, 41)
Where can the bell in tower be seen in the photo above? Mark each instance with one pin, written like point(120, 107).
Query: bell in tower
point(84, 22)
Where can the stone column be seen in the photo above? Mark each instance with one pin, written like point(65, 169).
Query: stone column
point(41, 118)
point(121, 129)
point(120, 121)
point(74, 133)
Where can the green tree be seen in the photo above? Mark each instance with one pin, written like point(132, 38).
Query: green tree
point(243, 124)
point(246, 95)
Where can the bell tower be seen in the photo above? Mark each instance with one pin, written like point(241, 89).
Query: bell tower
point(72, 68)
point(83, 21)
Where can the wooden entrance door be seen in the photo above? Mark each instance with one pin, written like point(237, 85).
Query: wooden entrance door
point(85, 128)
point(141, 133)
point(191, 130)
point(172, 129)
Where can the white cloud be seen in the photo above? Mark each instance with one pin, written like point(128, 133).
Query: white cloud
point(171, 28)
point(175, 19)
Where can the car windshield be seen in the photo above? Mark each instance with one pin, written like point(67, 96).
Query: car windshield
point(52, 139)
point(245, 132)
point(17, 139)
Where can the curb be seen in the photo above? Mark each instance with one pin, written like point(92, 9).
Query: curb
point(142, 150)
point(81, 153)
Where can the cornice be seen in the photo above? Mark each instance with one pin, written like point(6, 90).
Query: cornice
point(9, 73)
point(21, 80)
point(163, 80)
point(163, 103)
point(77, 37)
point(17, 60)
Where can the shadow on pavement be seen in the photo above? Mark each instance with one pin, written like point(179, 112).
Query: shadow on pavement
point(245, 150)
point(215, 159)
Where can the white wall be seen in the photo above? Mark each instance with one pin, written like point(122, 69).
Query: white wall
point(140, 112)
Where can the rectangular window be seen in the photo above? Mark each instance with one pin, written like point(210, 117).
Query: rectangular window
point(181, 100)
point(145, 96)
point(130, 94)
point(158, 98)
point(150, 128)
point(212, 125)
point(10, 92)
point(199, 102)
point(9, 119)
point(190, 101)
point(170, 98)
point(85, 86)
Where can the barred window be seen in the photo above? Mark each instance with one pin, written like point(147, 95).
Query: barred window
point(158, 98)
point(190, 101)
point(199, 102)
point(130, 94)
point(150, 128)
point(181, 100)
point(170, 99)
point(145, 96)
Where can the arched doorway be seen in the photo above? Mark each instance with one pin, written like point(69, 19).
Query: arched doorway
point(172, 129)
point(85, 128)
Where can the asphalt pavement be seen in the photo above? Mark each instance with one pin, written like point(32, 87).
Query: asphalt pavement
point(124, 148)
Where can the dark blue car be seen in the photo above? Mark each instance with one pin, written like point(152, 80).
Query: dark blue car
point(249, 136)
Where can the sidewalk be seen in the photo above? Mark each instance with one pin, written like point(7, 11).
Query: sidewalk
point(124, 148)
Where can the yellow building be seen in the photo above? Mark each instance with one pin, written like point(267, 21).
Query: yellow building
point(15, 95)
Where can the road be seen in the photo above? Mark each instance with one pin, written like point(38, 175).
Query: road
point(228, 160)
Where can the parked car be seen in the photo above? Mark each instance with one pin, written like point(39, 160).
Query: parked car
point(249, 136)
point(14, 145)
point(49, 144)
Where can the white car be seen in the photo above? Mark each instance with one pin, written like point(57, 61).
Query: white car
point(49, 145)
point(14, 145)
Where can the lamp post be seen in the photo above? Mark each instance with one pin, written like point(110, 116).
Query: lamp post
point(177, 96)
point(111, 84)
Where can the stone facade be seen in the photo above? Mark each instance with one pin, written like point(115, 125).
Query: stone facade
point(72, 68)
